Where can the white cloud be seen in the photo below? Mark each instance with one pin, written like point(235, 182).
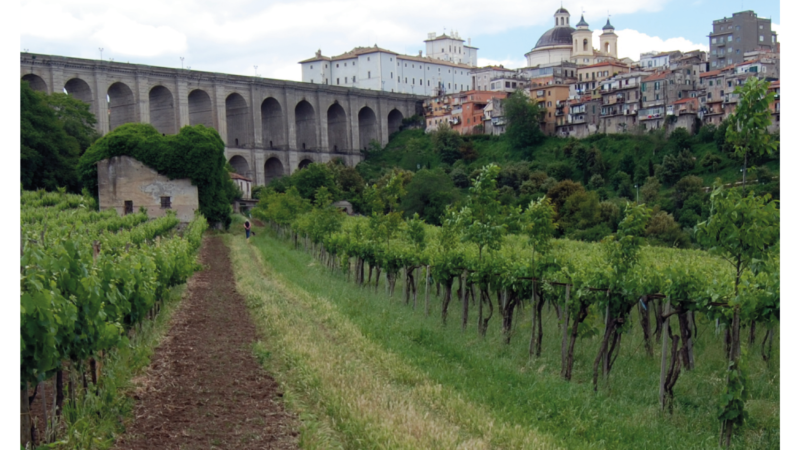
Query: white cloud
point(122, 35)
point(274, 34)
point(632, 43)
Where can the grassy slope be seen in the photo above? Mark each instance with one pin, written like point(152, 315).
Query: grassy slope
point(407, 354)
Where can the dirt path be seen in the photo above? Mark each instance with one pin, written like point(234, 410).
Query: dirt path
point(204, 388)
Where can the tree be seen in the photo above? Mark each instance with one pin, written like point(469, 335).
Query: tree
point(686, 187)
point(559, 193)
point(651, 190)
point(538, 222)
point(428, 194)
point(663, 229)
point(744, 231)
point(48, 153)
point(747, 132)
point(447, 143)
point(314, 176)
point(482, 223)
point(76, 118)
point(523, 116)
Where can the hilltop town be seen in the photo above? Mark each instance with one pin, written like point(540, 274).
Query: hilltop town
point(581, 90)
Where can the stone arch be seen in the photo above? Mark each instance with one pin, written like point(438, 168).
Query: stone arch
point(236, 118)
point(200, 108)
point(395, 120)
point(586, 45)
point(304, 163)
point(81, 91)
point(272, 130)
point(240, 165)
point(121, 105)
point(337, 128)
point(162, 110)
point(273, 169)
point(607, 47)
point(306, 126)
point(36, 82)
point(367, 126)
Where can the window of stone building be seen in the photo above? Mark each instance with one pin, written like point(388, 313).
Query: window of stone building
point(128, 207)
point(369, 74)
point(166, 203)
point(730, 37)
point(354, 78)
point(367, 58)
point(761, 39)
point(312, 67)
point(337, 65)
point(326, 66)
point(337, 81)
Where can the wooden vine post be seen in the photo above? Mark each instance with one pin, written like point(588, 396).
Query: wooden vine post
point(664, 338)
point(465, 303)
point(25, 412)
point(565, 315)
point(427, 298)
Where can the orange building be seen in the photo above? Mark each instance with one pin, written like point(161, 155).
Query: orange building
point(551, 98)
point(472, 105)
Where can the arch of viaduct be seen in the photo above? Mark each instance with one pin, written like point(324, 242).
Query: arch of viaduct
point(270, 127)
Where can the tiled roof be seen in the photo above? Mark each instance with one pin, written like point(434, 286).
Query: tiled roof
point(710, 73)
point(429, 60)
point(354, 53)
point(606, 63)
point(236, 176)
point(775, 84)
point(657, 76)
point(684, 100)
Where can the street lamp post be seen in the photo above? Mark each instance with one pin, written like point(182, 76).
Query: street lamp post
point(181, 62)
point(101, 53)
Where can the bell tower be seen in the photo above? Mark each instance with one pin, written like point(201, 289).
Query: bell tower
point(608, 40)
point(582, 42)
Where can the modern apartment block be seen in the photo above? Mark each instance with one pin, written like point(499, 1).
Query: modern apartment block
point(732, 37)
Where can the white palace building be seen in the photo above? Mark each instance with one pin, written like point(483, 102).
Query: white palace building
point(444, 69)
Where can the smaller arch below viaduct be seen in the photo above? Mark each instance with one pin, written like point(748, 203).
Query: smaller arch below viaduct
point(270, 127)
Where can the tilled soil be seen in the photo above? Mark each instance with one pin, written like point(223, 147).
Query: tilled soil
point(204, 388)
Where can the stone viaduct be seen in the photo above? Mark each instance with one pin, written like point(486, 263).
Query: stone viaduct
point(270, 127)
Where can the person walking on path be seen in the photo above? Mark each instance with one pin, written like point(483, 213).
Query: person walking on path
point(247, 229)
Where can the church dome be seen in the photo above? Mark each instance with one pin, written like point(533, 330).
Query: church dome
point(556, 36)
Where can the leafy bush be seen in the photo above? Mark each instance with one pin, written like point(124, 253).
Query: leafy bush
point(196, 153)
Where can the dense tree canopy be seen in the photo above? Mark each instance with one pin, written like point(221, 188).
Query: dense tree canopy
point(54, 131)
point(195, 152)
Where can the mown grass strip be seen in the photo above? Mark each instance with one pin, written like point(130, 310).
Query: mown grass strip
point(370, 397)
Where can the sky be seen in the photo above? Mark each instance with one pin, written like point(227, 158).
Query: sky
point(275, 35)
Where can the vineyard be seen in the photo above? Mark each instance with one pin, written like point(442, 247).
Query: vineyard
point(503, 262)
point(89, 280)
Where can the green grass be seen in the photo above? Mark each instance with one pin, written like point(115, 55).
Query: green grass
point(516, 392)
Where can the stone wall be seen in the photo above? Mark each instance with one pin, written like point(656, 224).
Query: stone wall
point(121, 179)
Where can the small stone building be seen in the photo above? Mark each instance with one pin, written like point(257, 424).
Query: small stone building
point(126, 184)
